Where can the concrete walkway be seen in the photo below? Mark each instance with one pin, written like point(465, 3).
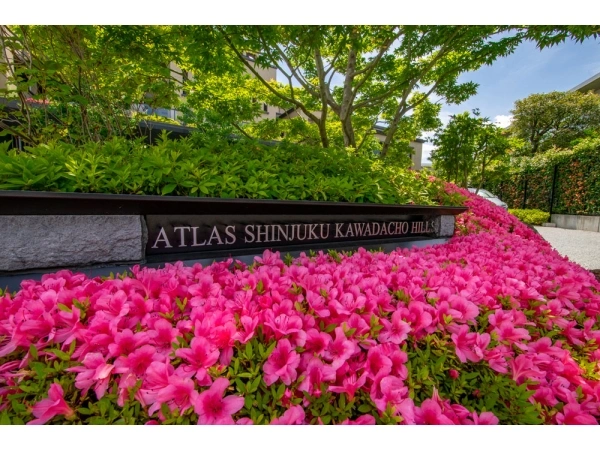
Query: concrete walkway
point(582, 247)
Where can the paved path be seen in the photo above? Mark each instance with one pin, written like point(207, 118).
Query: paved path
point(582, 247)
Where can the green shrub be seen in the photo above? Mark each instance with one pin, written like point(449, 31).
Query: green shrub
point(576, 187)
point(191, 167)
point(530, 216)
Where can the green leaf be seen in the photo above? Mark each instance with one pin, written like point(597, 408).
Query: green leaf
point(249, 352)
point(167, 189)
point(280, 392)
point(33, 351)
point(365, 408)
point(270, 349)
point(4, 419)
point(62, 355)
point(63, 307)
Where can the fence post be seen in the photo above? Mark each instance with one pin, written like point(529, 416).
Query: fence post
point(525, 193)
point(553, 188)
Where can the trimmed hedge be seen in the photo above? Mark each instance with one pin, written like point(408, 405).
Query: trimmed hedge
point(577, 188)
point(189, 167)
point(531, 216)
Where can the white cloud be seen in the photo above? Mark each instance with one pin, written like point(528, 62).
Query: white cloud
point(503, 120)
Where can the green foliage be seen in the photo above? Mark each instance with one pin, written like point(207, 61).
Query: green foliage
point(577, 184)
point(199, 168)
point(530, 216)
point(77, 83)
point(466, 147)
point(477, 387)
point(554, 119)
point(383, 68)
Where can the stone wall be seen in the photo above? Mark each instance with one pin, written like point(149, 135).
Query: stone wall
point(33, 242)
point(573, 222)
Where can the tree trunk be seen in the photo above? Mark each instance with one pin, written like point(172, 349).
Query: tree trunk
point(346, 106)
point(323, 129)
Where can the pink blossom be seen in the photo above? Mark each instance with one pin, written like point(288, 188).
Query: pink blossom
point(316, 373)
point(395, 331)
point(281, 364)
point(138, 361)
point(572, 414)
point(213, 408)
point(293, 416)
point(340, 349)
point(350, 385)
point(126, 342)
point(377, 363)
point(55, 405)
point(200, 356)
point(365, 419)
point(485, 418)
point(179, 393)
point(95, 371)
point(430, 413)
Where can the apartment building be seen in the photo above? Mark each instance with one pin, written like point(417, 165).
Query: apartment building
point(592, 84)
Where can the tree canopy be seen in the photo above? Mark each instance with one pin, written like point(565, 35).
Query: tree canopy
point(343, 80)
point(360, 75)
point(466, 147)
point(554, 119)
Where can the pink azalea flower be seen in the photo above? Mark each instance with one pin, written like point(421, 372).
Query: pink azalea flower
point(316, 373)
point(395, 331)
point(244, 421)
point(214, 409)
point(388, 391)
point(249, 325)
point(293, 416)
point(378, 363)
point(55, 405)
point(340, 349)
point(138, 361)
point(179, 394)
point(430, 413)
point(200, 356)
point(350, 385)
point(95, 371)
point(522, 368)
point(163, 334)
point(365, 419)
point(317, 342)
point(281, 364)
point(126, 342)
point(485, 418)
point(470, 346)
point(572, 414)
point(157, 377)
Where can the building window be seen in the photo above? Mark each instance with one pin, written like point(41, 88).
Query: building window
point(265, 107)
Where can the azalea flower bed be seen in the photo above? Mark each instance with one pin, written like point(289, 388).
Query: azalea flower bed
point(492, 327)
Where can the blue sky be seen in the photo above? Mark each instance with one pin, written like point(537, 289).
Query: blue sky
point(527, 71)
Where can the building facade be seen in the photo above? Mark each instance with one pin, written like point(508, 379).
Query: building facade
point(592, 85)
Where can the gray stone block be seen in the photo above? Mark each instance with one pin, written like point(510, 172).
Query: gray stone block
point(444, 226)
point(30, 242)
point(567, 221)
point(588, 223)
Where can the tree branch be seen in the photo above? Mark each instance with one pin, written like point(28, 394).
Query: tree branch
point(263, 81)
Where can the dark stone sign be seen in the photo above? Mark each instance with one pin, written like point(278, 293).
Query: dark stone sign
point(196, 233)
point(163, 228)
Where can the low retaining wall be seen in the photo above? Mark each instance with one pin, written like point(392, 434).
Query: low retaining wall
point(51, 231)
point(574, 222)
